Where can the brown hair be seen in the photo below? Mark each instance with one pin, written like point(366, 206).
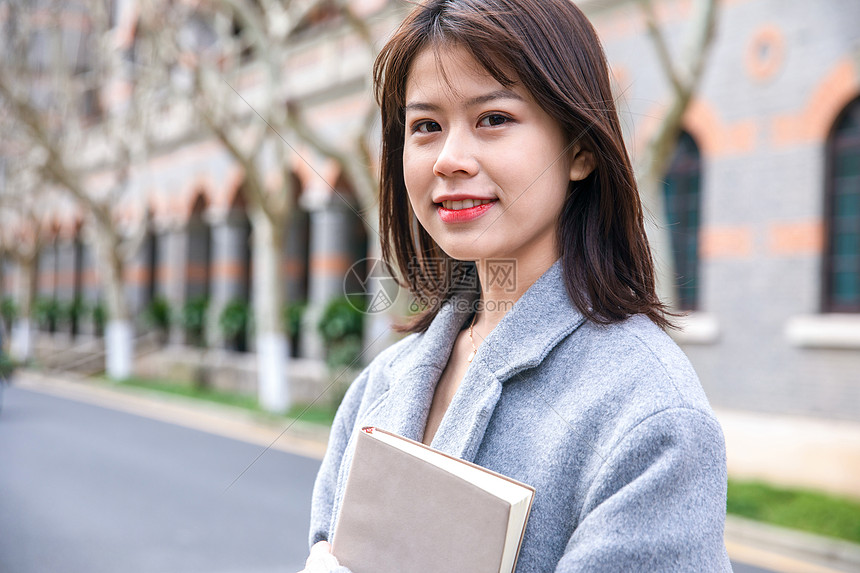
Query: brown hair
point(554, 51)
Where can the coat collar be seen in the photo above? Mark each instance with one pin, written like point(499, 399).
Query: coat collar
point(538, 321)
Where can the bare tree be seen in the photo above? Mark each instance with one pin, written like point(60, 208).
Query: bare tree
point(212, 49)
point(61, 86)
point(356, 154)
point(21, 234)
point(683, 73)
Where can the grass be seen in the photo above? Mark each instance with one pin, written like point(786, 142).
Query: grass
point(810, 511)
point(314, 414)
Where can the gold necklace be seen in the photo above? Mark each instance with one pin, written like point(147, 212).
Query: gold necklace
point(471, 340)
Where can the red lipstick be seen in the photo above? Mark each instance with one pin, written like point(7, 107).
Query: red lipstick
point(463, 215)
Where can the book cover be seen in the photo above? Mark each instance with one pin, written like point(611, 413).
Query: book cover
point(410, 508)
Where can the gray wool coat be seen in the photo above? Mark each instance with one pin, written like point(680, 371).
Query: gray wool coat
point(609, 424)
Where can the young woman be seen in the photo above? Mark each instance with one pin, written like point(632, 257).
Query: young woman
point(509, 205)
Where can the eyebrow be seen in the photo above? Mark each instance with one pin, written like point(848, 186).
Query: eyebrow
point(492, 96)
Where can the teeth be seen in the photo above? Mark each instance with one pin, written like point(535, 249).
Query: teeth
point(465, 204)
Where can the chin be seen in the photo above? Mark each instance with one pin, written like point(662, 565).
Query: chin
point(462, 252)
point(456, 251)
point(469, 246)
point(459, 254)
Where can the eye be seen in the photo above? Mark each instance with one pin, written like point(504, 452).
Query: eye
point(426, 127)
point(493, 120)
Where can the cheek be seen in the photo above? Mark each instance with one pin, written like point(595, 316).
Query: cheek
point(408, 165)
point(417, 175)
point(414, 189)
point(411, 186)
point(549, 166)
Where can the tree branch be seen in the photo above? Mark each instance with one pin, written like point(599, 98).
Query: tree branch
point(663, 55)
point(684, 78)
point(358, 25)
point(54, 165)
point(700, 40)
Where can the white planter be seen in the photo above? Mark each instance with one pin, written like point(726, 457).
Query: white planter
point(273, 386)
point(119, 347)
point(21, 344)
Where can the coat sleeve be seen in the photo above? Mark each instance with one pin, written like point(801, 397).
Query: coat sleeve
point(658, 502)
point(325, 486)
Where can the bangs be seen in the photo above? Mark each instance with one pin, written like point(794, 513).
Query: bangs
point(451, 29)
point(479, 31)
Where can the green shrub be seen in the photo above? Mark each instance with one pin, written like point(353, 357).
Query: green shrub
point(157, 314)
point(233, 322)
point(292, 316)
point(9, 310)
point(71, 313)
point(342, 327)
point(47, 312)
point(193, 320)
point(98, 312)
point(7, 366)
point(344, 352)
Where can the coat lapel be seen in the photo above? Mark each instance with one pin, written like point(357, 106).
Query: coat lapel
point(541, 318)
point(538, 321)
point(403, 409)
point(412, 376)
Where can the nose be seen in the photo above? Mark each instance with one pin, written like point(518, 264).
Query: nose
point(457, 156)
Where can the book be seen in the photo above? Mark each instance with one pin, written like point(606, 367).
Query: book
point(409, 508)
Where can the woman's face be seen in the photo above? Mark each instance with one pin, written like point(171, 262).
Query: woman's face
point(486, 169)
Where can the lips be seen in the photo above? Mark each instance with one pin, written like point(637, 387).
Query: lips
point(464, 203)
point(463, 211)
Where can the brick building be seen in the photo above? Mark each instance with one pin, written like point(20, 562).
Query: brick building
point(766, 187)
point(763, 196)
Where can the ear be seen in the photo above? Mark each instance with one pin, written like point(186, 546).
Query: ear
point(581, 163)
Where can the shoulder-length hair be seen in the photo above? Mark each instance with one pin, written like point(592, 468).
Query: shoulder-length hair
point(550, 48)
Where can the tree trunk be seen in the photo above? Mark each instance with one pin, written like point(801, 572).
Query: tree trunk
point(119, 336)
point(21, 345)
point(272, 343)
point(682, 74)
point(377, 325)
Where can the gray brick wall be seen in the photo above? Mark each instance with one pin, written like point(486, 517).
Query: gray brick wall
point(753, 366)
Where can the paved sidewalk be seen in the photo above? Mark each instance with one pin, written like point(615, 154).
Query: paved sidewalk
point(793, 451)
point(296, 437)
point(787, 550)
point(749, 542)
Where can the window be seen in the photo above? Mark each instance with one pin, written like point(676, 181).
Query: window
point(842, 264)
point(682, 194)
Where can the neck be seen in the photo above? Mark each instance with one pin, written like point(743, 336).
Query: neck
point(502, 284)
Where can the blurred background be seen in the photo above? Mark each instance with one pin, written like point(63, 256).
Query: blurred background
point(189, 232)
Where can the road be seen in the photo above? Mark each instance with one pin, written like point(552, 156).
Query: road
point(90, 489)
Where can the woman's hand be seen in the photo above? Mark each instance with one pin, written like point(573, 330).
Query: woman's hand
point(321, 559)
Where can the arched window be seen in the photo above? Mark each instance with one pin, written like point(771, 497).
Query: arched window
point(842, 264)
point(683, 204)
point(199, 253)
